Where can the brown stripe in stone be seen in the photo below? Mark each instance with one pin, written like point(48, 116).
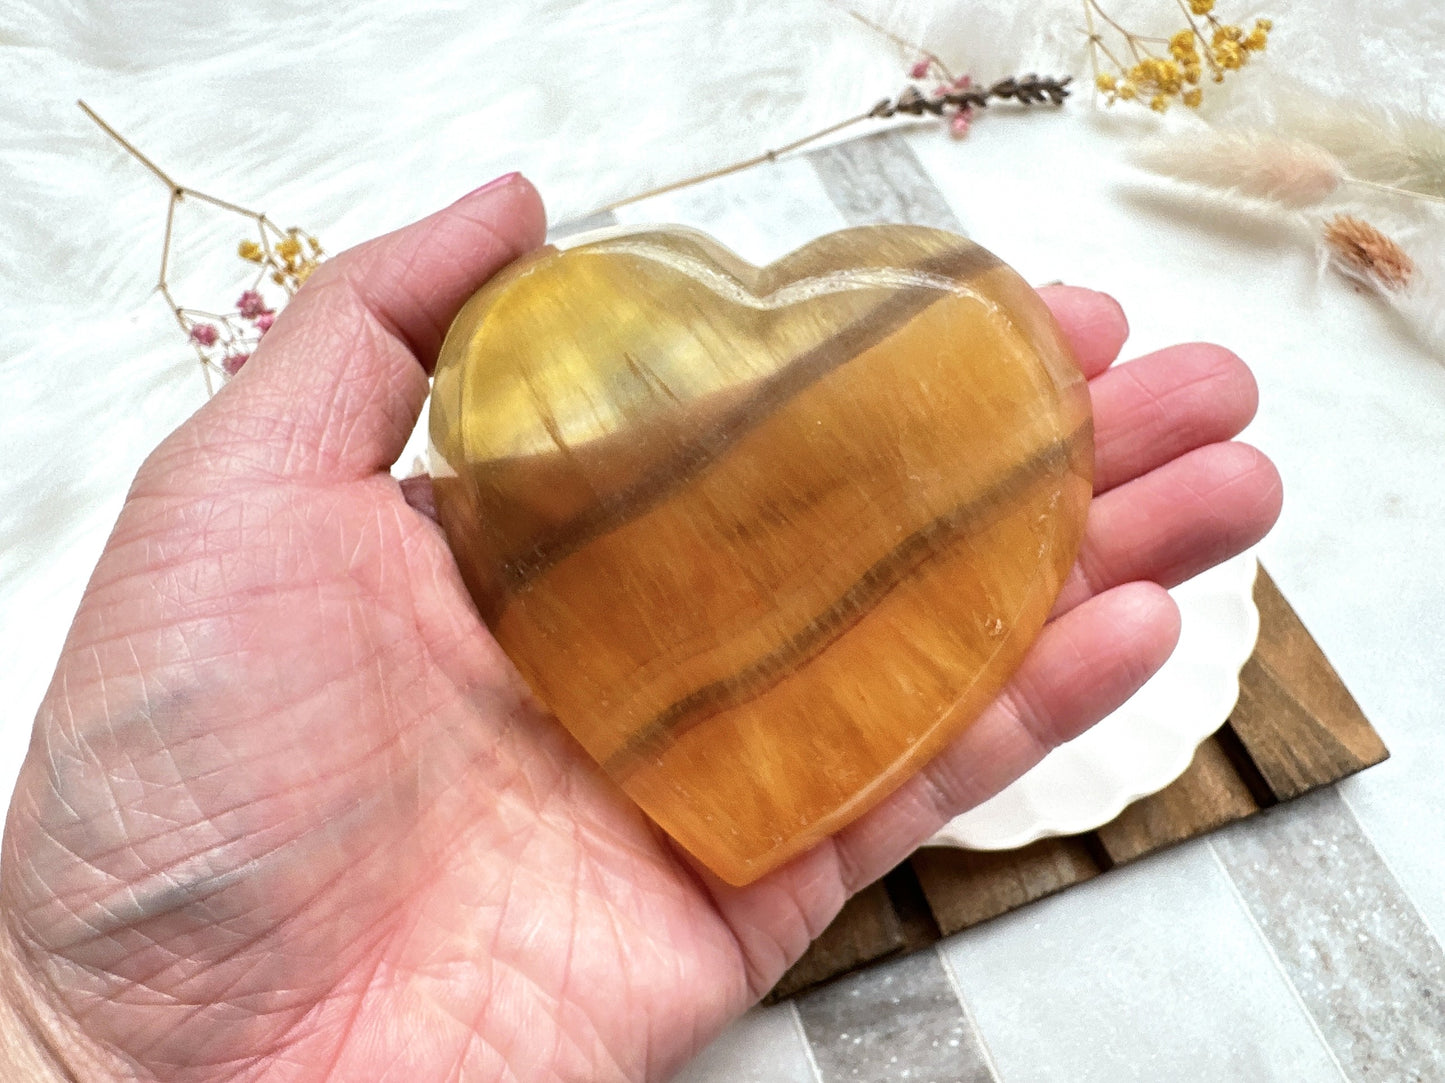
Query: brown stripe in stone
point(858, 600)
point(692, 459)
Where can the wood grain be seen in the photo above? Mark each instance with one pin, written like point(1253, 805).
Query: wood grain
point(1295, 728)
point(1208, 795)
point(1295, 717)
point(965, 887)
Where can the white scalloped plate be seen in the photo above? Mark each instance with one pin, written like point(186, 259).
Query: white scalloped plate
point(1144, 745)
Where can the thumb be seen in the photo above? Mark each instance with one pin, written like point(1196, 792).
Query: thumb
point(338, 382)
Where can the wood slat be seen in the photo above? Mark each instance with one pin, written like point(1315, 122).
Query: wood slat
point(1207, 796)
point(1295, 728)
point(866, 929)
point(965, 887)
point(1295, 717)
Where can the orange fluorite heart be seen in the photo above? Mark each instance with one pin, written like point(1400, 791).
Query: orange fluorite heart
point(764, 539)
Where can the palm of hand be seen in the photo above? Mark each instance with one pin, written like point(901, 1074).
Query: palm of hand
point(291, 814)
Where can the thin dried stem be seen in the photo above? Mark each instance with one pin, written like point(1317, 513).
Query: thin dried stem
point(130, 147)
point(1408, 193)
point(1095, 43)
point(281, 253)
point(1130, 38)
point(737, 167)
point(1026, 90)
point(913, 47)
point(1204, 50)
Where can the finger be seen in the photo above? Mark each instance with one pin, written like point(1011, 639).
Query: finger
point(1162, 405)
point(1093, 324)
point(1176, 521)
point(338, 382)
point(1082, 667)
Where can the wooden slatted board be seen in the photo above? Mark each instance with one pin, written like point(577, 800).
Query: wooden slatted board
point(1295, 728)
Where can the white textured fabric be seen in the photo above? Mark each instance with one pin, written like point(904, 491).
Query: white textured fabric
point(351, 119)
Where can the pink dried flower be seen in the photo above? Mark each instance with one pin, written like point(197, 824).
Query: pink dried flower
point(963, 82)
point(204, 334)
point(961, 122)
point(919, 69)
point(252, 305)
point(232, 362)
point(264, 321)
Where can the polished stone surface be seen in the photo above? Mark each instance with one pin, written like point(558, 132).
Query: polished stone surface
point(763, 539)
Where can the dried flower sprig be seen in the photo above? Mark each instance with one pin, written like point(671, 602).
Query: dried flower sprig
point(1205, 44)
point(1366, 254)
point(1410, 284)
point(1401, 148)
point(288, 260)
point(954, 97)
point(1292, 173)
point(1299, 181)
point(949, 99)
point(284, 258)
point(959, 99)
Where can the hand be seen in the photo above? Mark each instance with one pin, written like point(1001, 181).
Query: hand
point(288, 812)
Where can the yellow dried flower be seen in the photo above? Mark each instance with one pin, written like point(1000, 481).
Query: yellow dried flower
point(250, 251)
point(289, 248)
point(1178, 74)
point(1229, 55)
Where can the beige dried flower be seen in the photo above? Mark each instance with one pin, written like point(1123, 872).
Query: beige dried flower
point(1367, 255)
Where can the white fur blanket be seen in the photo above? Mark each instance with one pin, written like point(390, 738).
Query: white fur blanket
point(351, 119)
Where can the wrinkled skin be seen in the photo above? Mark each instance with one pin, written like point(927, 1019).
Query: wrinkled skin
point(289, 814)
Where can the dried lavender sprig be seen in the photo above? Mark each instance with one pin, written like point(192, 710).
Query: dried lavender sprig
point(1025, 89)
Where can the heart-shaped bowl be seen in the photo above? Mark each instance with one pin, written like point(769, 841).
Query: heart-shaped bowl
point(763, 539)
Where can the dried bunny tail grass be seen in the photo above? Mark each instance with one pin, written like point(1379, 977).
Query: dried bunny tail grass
point(1413, 286)
point(1388, 146)
point(1288, 172)
point(1366, 254)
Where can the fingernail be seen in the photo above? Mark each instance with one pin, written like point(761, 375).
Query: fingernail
point(500, 182)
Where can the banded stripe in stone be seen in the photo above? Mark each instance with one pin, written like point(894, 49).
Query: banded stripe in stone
point(931, 540)
point(685, 463)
